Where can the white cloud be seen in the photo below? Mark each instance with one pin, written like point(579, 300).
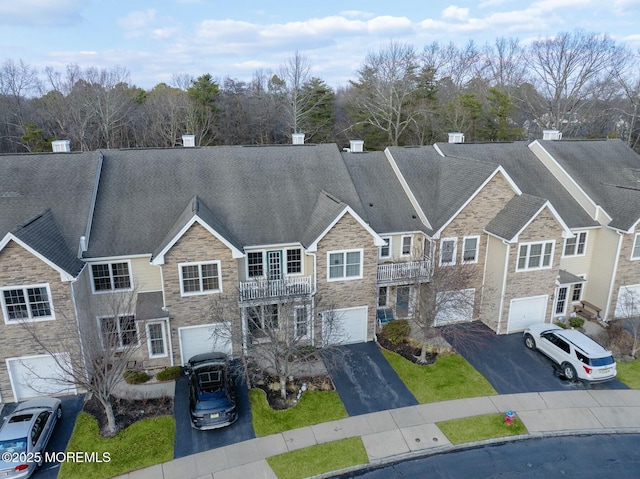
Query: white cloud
point(356, 14)
point(455, 13)
point(41, 12)
point(136, 24)
point(166, 33)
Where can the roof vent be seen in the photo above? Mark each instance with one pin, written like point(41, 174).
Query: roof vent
point(356, 146)
point(61, 146)
point(551, 135)
point(188, 141)
point(456, 137)
point(297, 138)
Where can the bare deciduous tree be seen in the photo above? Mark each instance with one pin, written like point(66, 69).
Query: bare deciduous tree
point(628, 311)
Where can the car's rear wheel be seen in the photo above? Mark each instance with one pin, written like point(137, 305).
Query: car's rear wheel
point(529, 341)
point(569, 372)
point(59, 412)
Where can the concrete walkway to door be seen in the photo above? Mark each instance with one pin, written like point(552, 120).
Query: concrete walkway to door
point(365, 380)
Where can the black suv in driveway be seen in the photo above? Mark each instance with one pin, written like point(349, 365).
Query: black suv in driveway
point(212, 402)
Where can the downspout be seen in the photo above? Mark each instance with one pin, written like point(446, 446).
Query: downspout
point(613, 276)
point(164, 308)
point(75, 311)
point(313, 295)
point(504, 286)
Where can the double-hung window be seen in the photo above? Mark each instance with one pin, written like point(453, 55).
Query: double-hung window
point(635, 252)
point(255, 264)
point(156, 339)
point(294, 261)
point(407, 243)
point(301, 314)
point(448, 251)
point(533, 256)
point(27, 303)
point(111, 276)
point(120, 332)
point(385, 249)
point(345, 265)
point(200, 278)
point(470, 249)
point(575, 246)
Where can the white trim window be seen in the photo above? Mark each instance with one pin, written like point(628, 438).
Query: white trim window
point(535, 256)
point(470, 245)
point(294, 261)
point(384, 251)
point(107, 277)
point(576, 293)
point(200, 278)
point(255, 264)
point(576, 246)
point(407, 246)
point(27, 303)
point(301, 322)
point(118, 334)
point(635, 252)
point(344, 265)
point(157, 339)
point(262, 318)
point(448, 248)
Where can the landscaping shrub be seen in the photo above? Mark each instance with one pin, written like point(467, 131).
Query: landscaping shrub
point(169, 374)
point(576, 322)
point(396, 331)
point(136, 377)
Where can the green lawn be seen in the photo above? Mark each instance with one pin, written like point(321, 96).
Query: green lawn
point(142, 444)
point(478, 428)
point(319, 459)
point(629, 373)
point(450, 377)
point(314, 407)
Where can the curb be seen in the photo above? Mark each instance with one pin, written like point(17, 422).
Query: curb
point(375, 464)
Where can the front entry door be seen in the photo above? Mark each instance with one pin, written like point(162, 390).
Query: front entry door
point(274, 259)
point(561, 301)
point(403, 294)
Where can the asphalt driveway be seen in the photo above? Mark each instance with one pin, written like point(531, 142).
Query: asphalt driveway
point(191, 441)
point(508, 365)
point(364, 379)
point(71, 406)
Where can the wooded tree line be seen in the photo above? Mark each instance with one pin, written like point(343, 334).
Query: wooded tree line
point(584, 84)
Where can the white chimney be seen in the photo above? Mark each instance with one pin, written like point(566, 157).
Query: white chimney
point(356, 146)
point(188, 141)
point(551, 135)
point(61, 146)
point(297, 138)
point(456, 137)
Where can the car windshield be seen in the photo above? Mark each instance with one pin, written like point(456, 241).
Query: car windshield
point(14, 445)
point(606, 361)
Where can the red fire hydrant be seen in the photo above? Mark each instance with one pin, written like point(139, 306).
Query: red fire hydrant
point(508, 418)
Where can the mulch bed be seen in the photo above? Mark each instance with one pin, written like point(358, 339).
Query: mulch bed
point(407, 351)
point(129, 411)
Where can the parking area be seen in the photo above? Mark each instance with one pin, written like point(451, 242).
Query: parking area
point(508, 365)
point(364, 379)
point(71, 406)
point(191, 441)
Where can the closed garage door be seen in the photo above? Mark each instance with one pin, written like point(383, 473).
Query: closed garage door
point(345, 326)
point(523, 312)
point(628, 303)
point(204, 339)
point(456, 306)
point(33, 376)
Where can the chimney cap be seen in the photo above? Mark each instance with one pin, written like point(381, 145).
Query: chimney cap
point(551, 135)
point(297, 138)
point(456, 137)
point(356, 146)
point(61, 146)
point(188, 141)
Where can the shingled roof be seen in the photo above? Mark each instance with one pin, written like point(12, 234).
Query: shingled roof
point(515, 215)
point(608, 171)
point(261, 195)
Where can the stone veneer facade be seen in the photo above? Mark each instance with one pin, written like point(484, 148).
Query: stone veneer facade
point(18, 267)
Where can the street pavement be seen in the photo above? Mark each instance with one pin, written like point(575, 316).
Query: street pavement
point(412, 431)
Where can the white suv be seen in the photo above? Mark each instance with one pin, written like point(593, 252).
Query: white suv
point(578, 356)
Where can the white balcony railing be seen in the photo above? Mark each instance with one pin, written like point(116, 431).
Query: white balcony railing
point(275, 288)
point(404, 272)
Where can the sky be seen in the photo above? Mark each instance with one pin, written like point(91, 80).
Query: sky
point(158, 39)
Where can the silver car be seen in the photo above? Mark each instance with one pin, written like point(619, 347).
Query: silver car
point(24, 436)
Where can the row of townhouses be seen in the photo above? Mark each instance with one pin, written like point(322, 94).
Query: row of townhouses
point(551, 226)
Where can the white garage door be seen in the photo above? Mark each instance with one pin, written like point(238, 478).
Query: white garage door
point(204, 339)
point(523, 312)
point(345, 326)
point(628, 303)
point(455, 306)
point(33, 376)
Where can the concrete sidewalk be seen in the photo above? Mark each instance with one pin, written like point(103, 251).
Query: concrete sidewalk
point(411, 431)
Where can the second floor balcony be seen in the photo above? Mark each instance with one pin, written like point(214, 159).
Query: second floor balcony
point(404, 272)
point(266, 289)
